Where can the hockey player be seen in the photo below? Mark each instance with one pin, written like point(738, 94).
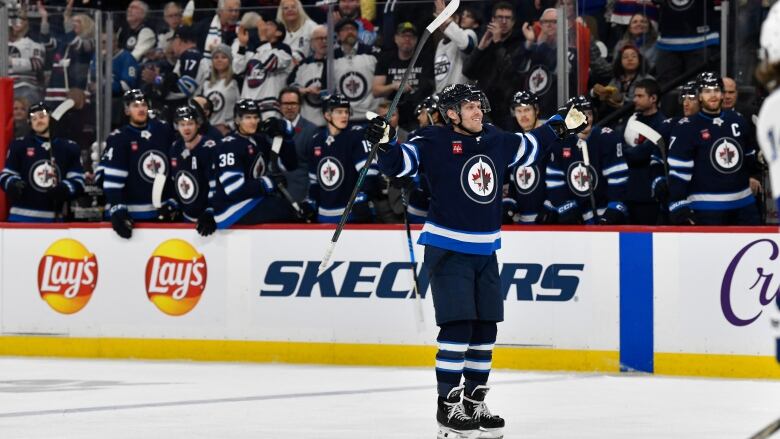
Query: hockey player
point(525, 199)
point(464, 163)
point(191, 176)
point(41, 172)
point(570, 182)
point(134, 155)
point(710, 163)
point(246, 179)
point(338, 154)
point(638, 151)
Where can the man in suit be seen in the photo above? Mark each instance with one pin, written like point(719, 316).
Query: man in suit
point(304, 130)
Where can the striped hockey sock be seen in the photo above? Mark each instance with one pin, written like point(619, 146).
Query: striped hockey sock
point(479, 355)
point(451, 357)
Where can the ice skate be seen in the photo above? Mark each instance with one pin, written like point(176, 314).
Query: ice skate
point(454, 423)
point(490, 425)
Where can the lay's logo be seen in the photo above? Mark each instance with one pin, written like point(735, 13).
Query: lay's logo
point(175, 277)
point(67, 276)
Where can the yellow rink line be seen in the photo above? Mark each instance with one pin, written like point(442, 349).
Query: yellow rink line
point(715, 365)
point(296, 352)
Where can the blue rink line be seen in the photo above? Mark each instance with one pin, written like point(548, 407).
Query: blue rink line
point(636, 302)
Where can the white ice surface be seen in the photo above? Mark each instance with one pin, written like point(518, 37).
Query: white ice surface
point(85, 399)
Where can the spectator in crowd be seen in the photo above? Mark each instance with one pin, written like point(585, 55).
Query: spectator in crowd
point(307, 76)
point(622, 14)
point(353, 69)
point(26, 61)
point(303, 131)
point(299, 28)
point(221, 89)
point(490, 64)
point(627, 68)
point(191, 69)
point(729, 93)
point(172, 14)
point(41, 171)
point(687, 33)
point(265, 69)
point(531, 11)
point(458, 41)
point(134, 34)
point(350, 9)
point(641, 34)
point(21, 125)
point(391, 67)
point(219, 29)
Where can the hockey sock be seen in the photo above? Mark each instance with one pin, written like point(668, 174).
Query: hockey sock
point(453, 341)
point(479, 355)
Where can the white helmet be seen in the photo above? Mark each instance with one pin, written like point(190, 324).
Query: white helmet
point(770, 36)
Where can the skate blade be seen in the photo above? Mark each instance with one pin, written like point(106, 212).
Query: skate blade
point(491, 433)
point(448, 433)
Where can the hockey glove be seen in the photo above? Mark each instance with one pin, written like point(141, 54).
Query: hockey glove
point(278, 178)
point(59, 194)
point(379, 132)
point(546, 216)
point(682, 216)
point(570, 213)
point(121, 222)
point(402, 183)
point(508, 215)
point(15, 191)
point(168, 211)
point(308, 211)
point(568, 121)
point(274, 127)
point(660, 190)
point(206, 223)
point(612, 217)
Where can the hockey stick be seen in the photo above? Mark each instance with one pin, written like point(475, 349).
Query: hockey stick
point(57, 114)
point(768, 431)
point(445, 14)
point(650, 134)
point(418, 299)
point(276, 146)
point(583, 146)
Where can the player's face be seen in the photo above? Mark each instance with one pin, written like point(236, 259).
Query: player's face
point(39, 122)
point(642, 100)
point(339, 117)
point(690, 106)
point(138, 112)
point(247, 124)
point(471, 115)
point(711, 98)
point(525, 115)
point(188, 129)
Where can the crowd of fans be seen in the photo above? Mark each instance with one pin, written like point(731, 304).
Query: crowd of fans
point(276, 57)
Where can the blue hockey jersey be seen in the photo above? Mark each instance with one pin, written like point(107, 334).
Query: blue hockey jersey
point(132, 158)
point(527, 191)
point(240, 167)
point(191, 176)
point(639, 152)
point(41, 164)
point(334, 165)
point(710, 162)
point(465, 174)
point(568, 181)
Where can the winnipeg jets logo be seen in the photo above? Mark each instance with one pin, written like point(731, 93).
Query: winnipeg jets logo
point(526, 179)
point(256, 73)
point(680, 5)
point(726, 155)
point(538, 80)
point(441, 66)
point(44, 175)
point(582, 178)
point(130, 44)
point(258, 167)
point(217, 100)
point(151, 163)
point(186, 187)
point(478, 179)
point(313, 99)
point(354, 86)
point(330, 173)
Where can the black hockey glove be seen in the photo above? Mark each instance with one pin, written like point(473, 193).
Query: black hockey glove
point(308, 211)
point(660, 190)
point(612, 217)
point(569, 120)
point(278, 178)
point(59, 194)
point(274, 127)
point(682, 216)
point(15, 191)
point(206, 223)
point(167, 212)
point(570, 214)
point(508, 215)
point(402, 183)
point(378, 132)
point(121, 222)
point(546, 216)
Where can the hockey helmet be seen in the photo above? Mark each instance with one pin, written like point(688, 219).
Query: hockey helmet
point(431, 103)
point(688, 90)
point(335, 100)
point(454, 94)
point(246, 106)
point(770, 36)
point(37, 107)
point(523, 98)
point(708, 80)
point(581, 103)
point(134, 95)
point(186, 112)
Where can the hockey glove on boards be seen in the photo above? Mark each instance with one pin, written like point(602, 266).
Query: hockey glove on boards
point(206, 223)
point(15, 190)
point(168, 211)
point(121, 222)
point(59, 194)
point(379, 132)
point(612, 217)
point(682, 216)
point(308, 211)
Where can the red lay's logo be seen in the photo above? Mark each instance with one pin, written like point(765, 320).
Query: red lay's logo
point(175, 277)
point(67, 276)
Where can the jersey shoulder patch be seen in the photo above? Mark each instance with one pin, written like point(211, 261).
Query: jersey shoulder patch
point(228, 139)
point(209, 143)
point(684, 120)
point(606, 130)
point(669, 120)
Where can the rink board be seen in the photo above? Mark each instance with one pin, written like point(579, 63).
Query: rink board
point(632, 299)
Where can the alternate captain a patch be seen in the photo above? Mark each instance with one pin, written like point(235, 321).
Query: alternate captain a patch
point(478, 179)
